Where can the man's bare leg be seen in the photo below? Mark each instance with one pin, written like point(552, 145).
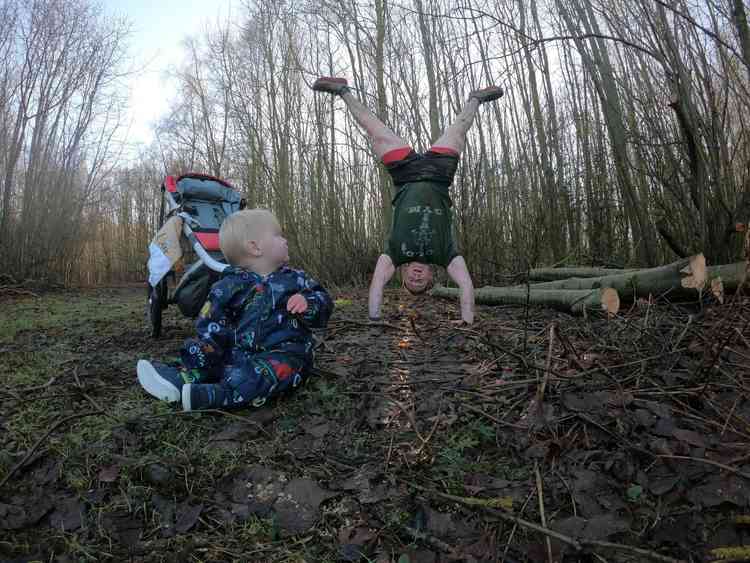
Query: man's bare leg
point(454, 137)
point(382, 138)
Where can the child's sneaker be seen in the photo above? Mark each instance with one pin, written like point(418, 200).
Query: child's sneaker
point(160, 380)
point(331, 84)
point(487, 94)
point(201, 396)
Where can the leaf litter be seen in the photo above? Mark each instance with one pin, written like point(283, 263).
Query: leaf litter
point(416, 441)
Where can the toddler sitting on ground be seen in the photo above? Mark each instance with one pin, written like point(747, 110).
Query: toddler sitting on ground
point(254, 339)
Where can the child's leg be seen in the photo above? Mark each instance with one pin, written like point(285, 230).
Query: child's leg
point(200, 361)
point(453, 139)
point(249, 383)
point(160, 380)
point(165, 381)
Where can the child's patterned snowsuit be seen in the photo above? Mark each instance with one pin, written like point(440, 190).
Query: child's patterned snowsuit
point(248, 342)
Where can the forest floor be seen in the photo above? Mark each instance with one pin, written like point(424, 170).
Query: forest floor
point(416, 441)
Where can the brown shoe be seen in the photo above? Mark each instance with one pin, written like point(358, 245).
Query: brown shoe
point(487, 94)
point(331, 84)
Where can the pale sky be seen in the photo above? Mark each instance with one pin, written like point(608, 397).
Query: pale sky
point(158, 28)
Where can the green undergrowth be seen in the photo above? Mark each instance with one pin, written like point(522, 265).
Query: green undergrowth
point(62, 313)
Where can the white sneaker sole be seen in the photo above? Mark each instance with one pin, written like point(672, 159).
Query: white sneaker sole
point(186, 398)
point(154, 384)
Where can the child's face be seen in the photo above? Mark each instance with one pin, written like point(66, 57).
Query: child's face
point(274, 245)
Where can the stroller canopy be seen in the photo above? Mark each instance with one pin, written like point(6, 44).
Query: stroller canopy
point(208, 200)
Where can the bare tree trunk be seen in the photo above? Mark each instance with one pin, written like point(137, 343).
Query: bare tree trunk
point(743, 33)
point(730, 275)
point(564, 204)
point(380, 27)
point(600, 68)
point(547, 176)
point(428, 49)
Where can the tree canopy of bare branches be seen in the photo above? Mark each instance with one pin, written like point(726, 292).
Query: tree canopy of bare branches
point(622, 138)
point(59, 107)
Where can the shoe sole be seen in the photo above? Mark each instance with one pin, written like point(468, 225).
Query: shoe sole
point(186, 398)
point(154, 384)
point(327, 90)
point(490, 96)
point(331, 86)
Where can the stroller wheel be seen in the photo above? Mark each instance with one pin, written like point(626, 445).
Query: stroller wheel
point(156, 304)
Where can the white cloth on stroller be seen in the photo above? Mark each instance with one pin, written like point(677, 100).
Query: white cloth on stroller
point(164, 250)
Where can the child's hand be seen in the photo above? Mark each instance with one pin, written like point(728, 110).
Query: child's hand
point(297, 304)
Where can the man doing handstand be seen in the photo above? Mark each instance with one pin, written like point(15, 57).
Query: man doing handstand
point(421, 233)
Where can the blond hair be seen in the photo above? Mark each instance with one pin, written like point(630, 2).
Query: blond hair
point(241, 227)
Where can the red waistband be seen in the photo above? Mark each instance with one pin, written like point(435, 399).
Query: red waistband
point(396, 154)
point(445, 150)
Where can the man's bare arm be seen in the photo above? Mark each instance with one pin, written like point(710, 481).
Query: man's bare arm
point(384, 271)
point(459, 273)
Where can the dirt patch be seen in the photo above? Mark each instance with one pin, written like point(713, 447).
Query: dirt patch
point(418, 440)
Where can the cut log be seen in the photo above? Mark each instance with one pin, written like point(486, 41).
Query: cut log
point(726, 277)
point(555, 274)
point(717, 289)
point(684, 277)
point(731, 274)
point(570, 301)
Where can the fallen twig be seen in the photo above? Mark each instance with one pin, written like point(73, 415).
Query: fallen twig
point(33, 448)
point(409, 415)
point(413, 324)
point(495, 419)
point(540, 496)
point(212, 411)
point(576, 544)
point(365, 324)
point(432, 540)
point(515, 527)
point(708, 462)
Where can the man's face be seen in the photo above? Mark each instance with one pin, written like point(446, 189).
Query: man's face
point(417, 276)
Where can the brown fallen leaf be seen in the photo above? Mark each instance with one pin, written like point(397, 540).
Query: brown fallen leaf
point(689, 437)
point(353, 540)
point(109, 473)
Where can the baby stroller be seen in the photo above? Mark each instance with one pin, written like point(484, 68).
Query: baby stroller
point(202, 202)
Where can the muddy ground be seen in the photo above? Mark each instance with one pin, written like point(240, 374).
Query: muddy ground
point(530, 436)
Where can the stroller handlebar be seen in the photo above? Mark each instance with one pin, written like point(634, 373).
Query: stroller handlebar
point(188, 220)
point(207, 259)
